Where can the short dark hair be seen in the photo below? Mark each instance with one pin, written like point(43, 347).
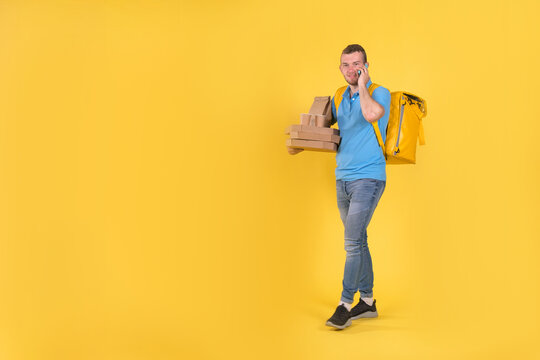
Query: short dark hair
point(354, 48)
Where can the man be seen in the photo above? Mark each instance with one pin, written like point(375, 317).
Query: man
point(360, 180)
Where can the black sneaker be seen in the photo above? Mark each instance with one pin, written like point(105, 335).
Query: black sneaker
point(341, 318)
point(363, 310)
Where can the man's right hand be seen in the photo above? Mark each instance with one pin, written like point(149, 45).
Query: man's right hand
point(294, 151)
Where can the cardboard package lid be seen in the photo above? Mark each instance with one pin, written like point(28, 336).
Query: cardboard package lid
point(312, 129)
point(303, 135)
point(312, 145)
point(320, 105)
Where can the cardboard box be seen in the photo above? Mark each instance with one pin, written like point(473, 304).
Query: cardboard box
point(320, 113)
point(311, 129)
point(303, 135)
point(328, 113)
point(320, 105)
point(314, 132)
point(312, 145)
point(314, 120)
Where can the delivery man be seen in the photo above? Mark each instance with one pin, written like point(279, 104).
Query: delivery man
point(360, 180)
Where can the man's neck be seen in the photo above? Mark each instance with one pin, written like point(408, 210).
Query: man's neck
point(352, 90)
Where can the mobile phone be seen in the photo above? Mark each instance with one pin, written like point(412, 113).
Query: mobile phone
point(359, 72)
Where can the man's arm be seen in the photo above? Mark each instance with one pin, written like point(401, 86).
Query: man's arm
point(371, 109)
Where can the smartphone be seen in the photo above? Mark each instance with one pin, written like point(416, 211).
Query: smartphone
point(359, 72)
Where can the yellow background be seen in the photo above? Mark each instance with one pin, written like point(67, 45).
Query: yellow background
point(149, 209)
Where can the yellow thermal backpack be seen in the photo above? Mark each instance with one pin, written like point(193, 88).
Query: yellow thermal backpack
point(404, 125)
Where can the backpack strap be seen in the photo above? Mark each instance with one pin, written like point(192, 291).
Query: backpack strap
point(338, 97)
point(421, 112)
point(375, 124)
point(421, 136)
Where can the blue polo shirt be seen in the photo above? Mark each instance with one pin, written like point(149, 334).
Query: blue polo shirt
point(359, 155)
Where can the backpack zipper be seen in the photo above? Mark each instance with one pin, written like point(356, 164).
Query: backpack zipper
point(399, 131)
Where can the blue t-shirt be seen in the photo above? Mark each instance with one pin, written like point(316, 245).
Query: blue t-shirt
point(359, 155)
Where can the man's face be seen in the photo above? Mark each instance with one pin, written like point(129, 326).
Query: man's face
point(350, 63)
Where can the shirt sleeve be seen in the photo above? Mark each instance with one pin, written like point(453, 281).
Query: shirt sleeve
point(382, 96)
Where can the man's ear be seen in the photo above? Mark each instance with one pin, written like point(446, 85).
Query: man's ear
point(367, 64)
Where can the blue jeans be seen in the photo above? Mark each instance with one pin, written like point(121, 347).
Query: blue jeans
point(357, 201)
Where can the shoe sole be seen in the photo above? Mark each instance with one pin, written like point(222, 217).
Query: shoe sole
point(340, 327)
point(367, 314)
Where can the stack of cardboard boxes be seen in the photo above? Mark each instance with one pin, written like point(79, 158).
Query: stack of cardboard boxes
point(314, 132)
